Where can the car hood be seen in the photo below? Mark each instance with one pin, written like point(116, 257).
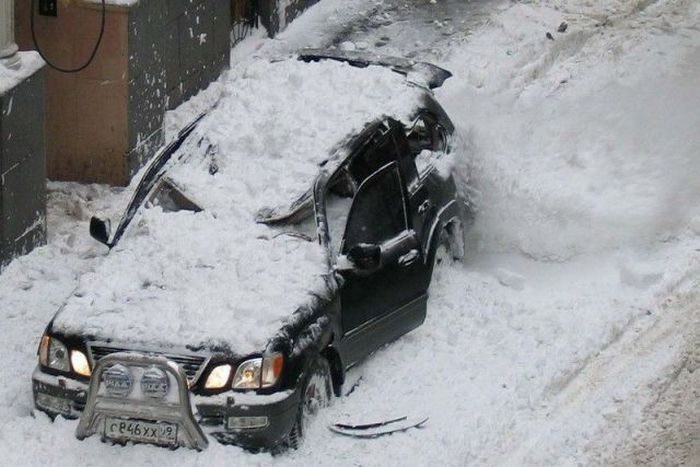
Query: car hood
point(190, 279)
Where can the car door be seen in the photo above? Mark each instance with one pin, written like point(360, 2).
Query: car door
point(421, 207)
point(384, 256)
point(428, 142)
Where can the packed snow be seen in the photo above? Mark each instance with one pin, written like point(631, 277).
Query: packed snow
point(28, 64)
point(570, 335)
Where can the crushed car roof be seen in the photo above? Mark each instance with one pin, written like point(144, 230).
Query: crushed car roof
point(421, 73)
point(216, 277)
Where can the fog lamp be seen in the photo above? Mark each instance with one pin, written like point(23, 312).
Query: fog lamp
point(246, 423)
point(53, 404)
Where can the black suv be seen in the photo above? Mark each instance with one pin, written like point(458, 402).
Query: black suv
point(381, 208)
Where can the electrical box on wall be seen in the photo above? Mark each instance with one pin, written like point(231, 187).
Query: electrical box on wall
point(48, 7)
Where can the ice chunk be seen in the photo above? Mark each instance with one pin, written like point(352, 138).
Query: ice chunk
point(510, 279)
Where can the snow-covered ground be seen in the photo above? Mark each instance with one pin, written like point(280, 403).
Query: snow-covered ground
point(572, 334)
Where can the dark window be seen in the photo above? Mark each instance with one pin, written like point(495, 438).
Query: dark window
point(338, 202)
point(426, 141)
point(426, 134)
point(343, 184)
point(378, 152)
point(378, 212)
point(409, 170)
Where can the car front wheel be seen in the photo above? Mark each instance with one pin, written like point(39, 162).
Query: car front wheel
point(316, 394)
point(450, 246)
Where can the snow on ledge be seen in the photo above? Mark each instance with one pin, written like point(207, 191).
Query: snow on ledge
point(30, 63)
point(124, 3)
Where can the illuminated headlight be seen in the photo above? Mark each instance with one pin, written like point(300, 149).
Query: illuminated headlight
point(259, 373)
point(248, 374)
point(218, 378)
point(53, 354)
point(79, 362)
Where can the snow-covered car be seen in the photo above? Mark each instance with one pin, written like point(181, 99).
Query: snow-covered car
point(278, 241)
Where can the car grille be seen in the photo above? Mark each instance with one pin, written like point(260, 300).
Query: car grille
point(191, 364)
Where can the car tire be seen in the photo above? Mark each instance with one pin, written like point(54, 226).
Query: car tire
point(316, 393)
point(442, 252)
point(450, 247)
point(456, 240)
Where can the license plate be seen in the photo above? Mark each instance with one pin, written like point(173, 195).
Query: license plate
point(140, 431)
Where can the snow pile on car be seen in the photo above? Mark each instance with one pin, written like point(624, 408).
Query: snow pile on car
point(277, 122)
point(216, 277)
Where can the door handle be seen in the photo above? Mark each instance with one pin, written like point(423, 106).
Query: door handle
point(425, 206)
point(409, 258)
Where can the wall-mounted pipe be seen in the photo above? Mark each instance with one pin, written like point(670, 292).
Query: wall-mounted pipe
point(8, 48)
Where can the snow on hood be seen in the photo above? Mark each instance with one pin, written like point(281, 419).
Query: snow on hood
point(217, 277)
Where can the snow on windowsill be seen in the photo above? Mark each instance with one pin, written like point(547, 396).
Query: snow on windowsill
point(124, 3)
point(30, 63)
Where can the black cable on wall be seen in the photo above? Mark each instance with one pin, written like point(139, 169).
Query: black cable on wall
point(92, 55)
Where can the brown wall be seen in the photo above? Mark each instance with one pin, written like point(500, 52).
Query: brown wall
point(86, 112)
point(105, 122)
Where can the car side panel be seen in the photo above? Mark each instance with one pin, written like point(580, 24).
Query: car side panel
point(430, 204)
point(373, 334)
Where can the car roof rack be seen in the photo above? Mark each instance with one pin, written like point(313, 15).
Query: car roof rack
point(432, 75)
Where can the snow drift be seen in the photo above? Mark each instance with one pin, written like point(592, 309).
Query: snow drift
point(584, 143)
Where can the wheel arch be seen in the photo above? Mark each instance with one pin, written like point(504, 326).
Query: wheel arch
point(449, 215)
point(331, 354)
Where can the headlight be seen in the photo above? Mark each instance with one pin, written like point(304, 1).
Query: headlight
point(79, 362)
point(248, 374)
point(53, 354)
point(218, 378)
point(259, 372)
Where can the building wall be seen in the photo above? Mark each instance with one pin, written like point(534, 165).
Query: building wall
point(106, 121)
point(86, 112)
point(22, 168)
point(176, 48)
point(275, 15)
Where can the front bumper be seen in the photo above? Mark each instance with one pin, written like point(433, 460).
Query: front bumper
point(245, 419)
point(58, 395)
point(275, 415)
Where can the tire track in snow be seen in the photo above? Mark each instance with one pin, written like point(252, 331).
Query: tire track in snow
point(669, 432)
point(635, 371)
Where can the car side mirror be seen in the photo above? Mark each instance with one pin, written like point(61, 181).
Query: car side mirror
point(365, 257)
point(100, 230)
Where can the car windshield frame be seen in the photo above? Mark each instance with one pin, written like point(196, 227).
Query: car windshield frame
point(153, 174)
